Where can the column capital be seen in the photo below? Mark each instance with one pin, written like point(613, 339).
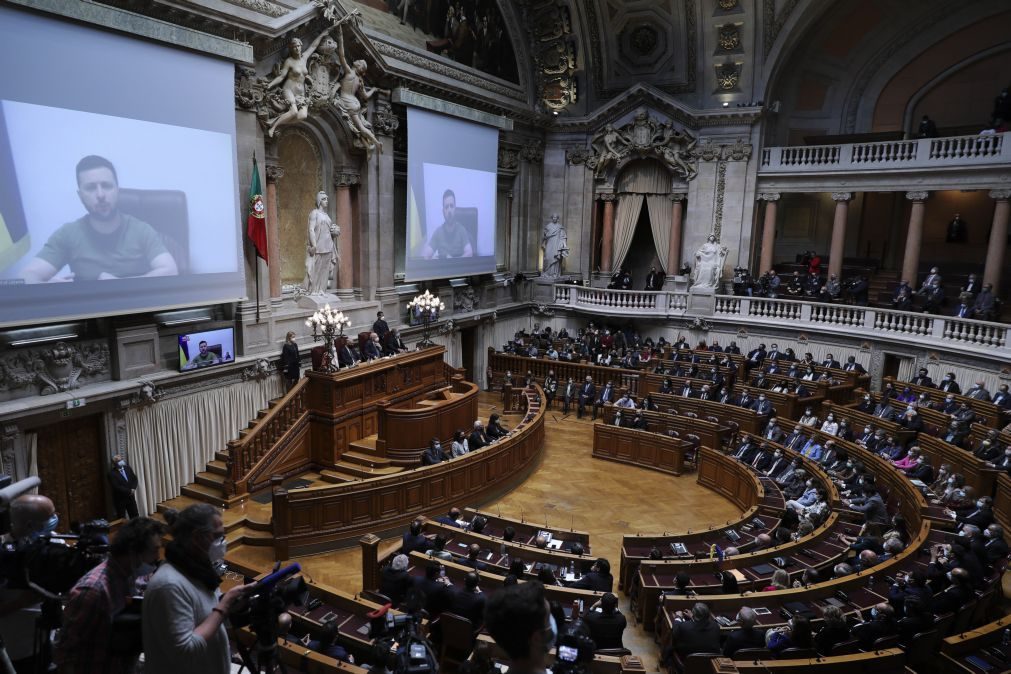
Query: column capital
point(1000, 195)
point(678, 196)
point(274, 172)
point(607, 196)
point(842, 196)
point(768, 196)
point(917, 196)
point(346, 179)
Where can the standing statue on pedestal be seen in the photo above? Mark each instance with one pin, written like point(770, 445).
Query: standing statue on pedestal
point(709, 259)
point(351, 94)
point(320, 249)
point(555, 243)
point(292, 81)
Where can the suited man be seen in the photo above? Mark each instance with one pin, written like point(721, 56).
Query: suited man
point(870, 504)
point(745, 636)
point(123, 482)
point(756, 356)
point(884, 410)
point(434, 588)
point(995, 548)
point(853, 366)
point(778, 464)
point(949, 385)
point(381, 327)
point(795, 439)
point(654, 279)
point(923, 379)
point(830, 361)
point(413, 539)
point(606, 623)
point(772, 432)
point(972, 286)
point(978, 392)
point(956, 595)
point(963, 310)
point(695, 632)
point(469, 601)
point(598, 579)
point(981, 515)
point(746, 451)
point(763, 459)
point(1002, 398)
point(956, 434)
point(774, 353)
point(922, 471)
point(587, 393)
point(345, 355)
point(606, 396)
point(949, 406)
point(745, 399)
point(866, 436)
point(881, 624)
point(570, 393)
point(762, 405)
point(394, 580)
point(983, 307)
point(373, 349)
point(477, 438)
point(686, 391)
point(393, 345)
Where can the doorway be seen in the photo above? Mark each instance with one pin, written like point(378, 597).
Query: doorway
point(468, 340)
point(891, 366)
point(71, 470)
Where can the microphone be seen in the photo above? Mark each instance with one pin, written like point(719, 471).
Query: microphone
point(9, 493)
point(268, 582)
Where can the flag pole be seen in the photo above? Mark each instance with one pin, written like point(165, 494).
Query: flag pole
point(256, 261)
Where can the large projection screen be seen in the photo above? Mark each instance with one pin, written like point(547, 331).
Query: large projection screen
point(451, 185)
point(118, 177)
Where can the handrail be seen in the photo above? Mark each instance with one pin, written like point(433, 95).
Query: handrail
point(263, 434)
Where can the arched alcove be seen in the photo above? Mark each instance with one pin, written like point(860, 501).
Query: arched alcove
point(642, 219)
point(300, 157)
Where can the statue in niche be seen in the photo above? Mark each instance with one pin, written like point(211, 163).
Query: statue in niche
point(320, 249)
point(351, 93)
point(709, 260)
point(465, 299)
point(292, 80)
point(555, 243)
point(610, 146)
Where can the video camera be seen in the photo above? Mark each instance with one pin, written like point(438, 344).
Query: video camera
point(260, 610)
point(573, 653)
point(399, 646)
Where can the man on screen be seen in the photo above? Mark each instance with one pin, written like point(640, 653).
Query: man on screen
point(105, 243)
point(451, 238)
point(202, 359)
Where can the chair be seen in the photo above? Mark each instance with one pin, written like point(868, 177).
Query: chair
point(690, 415)
point(615, 652)
point(457, 639)
point(797, 654)
point(699, 663)
point(920, 650)
point(167, 212)
point(692, 453)
point(846, 647)
point(753, 654)
point(963, 616)
point(983, 605)
point(885, 642)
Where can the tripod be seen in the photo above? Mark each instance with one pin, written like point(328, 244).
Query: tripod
point(265, 660)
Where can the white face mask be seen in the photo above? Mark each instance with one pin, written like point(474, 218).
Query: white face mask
point(216, 551)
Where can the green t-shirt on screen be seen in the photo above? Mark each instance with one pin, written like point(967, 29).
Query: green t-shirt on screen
point(125, 253)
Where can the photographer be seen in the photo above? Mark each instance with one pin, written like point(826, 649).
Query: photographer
point(88, 640)
point(32, 517)
point(519, 619)
point(184, 613)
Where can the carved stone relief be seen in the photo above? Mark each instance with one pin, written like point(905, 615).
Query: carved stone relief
point(53, 369)
point(550, 26)
point(465, 299)
point(728, 75)
point(642, 137)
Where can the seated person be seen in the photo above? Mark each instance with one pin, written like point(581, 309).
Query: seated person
point(494, 430)
point(598, 579)
point(394, 581)
point(438, 548)
point(434, 453)
point(606, 623)
point(881, 623)
point(796, 634)
point(746, 635)
point(834, 630)
point(324, 641)
point(693, 632)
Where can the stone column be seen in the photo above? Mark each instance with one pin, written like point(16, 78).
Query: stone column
point(343, 181)
point(835, 253)
point(674, 251)
point(998, 239)
point(768, 231)
point(274, 173)
point(607, 232)
point(385, 123)
point(911, 260)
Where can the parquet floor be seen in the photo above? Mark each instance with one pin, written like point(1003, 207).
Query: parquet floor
point(572, 489)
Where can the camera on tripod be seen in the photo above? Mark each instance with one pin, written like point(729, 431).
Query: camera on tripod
point(574, 653)
point(399, 646)
point(260, 611)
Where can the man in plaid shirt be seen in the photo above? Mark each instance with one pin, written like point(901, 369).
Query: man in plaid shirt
point(88, 642)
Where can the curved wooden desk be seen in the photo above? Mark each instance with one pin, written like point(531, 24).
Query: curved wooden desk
point(405, 430)
point(307, 521)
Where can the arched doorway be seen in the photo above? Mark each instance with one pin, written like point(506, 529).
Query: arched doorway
point(643, 220)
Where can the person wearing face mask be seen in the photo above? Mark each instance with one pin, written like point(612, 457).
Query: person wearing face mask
point(746, 635)
point(830, 425)
point(806, 499)
point(809, 418)
point(866, 404)
point(85, 641)
point(949, 385)
point(520, 621)
point(881, 623)
point(762, 405)
point(981, 515)
point(433, 454)
point(123, 482)
point(1005, 462)
point(995, 548)
point(183, 611)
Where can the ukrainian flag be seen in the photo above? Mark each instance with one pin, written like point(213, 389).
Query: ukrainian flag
point(14, 238)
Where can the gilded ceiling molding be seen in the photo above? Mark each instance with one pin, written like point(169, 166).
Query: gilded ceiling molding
point(549, 26)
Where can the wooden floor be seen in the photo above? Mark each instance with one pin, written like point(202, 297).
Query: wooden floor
point(568, 489)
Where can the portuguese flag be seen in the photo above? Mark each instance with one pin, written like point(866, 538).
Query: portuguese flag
point(256, 224)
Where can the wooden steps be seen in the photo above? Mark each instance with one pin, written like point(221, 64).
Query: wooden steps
point(364, 446)
point(360, 471)
point(217, 467)
point(337, 477)
point(213, 480)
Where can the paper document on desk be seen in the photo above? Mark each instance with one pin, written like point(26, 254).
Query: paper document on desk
point(555, 545)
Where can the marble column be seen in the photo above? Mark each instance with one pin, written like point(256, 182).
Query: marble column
point(835, 252)
point(768, 231)
point(911, 260)
point(274, 173)
point(676, 218)
point(998, 239)
point(607, 233)
point(344, 181)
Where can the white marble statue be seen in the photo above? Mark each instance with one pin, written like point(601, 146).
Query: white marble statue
point(292, 81)
point(351, 94)
point(555, 243)
point(709, 259)
point(320, 249)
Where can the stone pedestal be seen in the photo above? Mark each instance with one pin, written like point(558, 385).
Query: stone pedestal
point(544, 288)
point(702, 302)
point(317, 302)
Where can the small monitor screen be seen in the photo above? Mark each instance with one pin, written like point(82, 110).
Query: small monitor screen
point(198, 350)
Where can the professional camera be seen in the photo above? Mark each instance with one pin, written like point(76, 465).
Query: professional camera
point(742, 281)
point(260, 610)
point(400, 648)
point(574, 652)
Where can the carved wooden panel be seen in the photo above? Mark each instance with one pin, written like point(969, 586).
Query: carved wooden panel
point(71, 470)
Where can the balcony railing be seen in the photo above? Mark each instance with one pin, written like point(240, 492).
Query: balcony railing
point(905, 154)
point(959, 334)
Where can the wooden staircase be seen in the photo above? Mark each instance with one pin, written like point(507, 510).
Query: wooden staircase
point(359, 463)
